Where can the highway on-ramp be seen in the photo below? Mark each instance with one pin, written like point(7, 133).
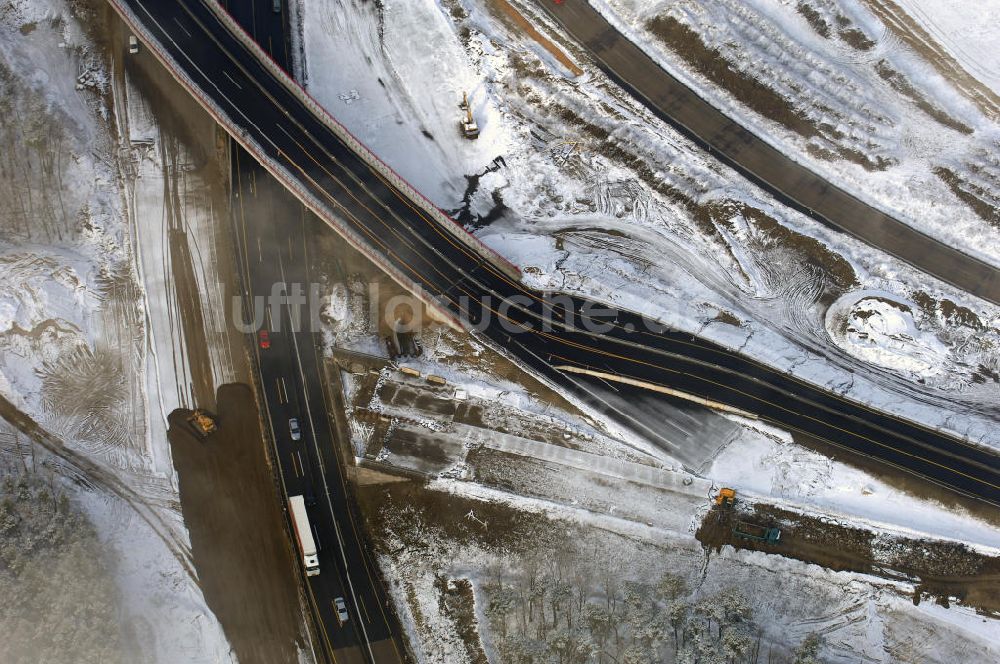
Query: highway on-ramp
point(315, 159)
point(786, 179)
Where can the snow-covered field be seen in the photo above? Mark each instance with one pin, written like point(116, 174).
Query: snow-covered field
point(607, 560)
point(75, 333)
point(764, 462)
point(856, 93)
point(597, 197)
point(967, 30)
point(174, 210)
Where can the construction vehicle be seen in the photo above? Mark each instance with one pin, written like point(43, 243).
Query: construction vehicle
point(402, 342)
point(202, 422)
point(468, 124)
point(726, 497)
point(757, 533)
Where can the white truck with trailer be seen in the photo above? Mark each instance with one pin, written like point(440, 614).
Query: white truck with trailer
point(304, 535)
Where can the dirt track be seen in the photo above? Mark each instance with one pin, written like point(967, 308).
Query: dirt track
point(938, 569)
point(238, 538)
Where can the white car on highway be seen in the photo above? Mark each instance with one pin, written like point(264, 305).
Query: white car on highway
point(341, 610)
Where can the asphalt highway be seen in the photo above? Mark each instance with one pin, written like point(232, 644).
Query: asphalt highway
point(790, 182)
point(353, 197)
point(269, 226)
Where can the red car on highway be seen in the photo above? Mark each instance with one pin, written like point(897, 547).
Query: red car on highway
point(264, 338)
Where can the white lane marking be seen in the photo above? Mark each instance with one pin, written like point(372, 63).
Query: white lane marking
point(181, 26)
point(301, 467)
point(231, 79)
point(322, 472)
point(209, 80)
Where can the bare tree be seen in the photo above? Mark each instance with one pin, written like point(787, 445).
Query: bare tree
point(808, 651)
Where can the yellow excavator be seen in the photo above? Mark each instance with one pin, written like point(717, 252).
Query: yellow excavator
point(202, 422)
point(469, 127)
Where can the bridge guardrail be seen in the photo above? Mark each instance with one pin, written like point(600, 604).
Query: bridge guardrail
point(279, 171)
point(360, 149)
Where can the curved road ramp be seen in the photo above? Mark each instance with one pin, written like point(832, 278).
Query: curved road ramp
point(790, 182)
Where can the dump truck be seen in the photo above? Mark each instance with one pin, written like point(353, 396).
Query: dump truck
point(202, 422)
point(726, 497)
point(304, 535)
point(757, 533)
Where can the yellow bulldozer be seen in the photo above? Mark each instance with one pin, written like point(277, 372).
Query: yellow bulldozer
point(202, 422)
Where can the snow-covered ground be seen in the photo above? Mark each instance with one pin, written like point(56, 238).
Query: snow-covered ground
point(968, 30)
point(848, 99)
point(400, 94)
point(600, 198)
point(74, 326)
point(861, 618)
point(764, 462)
point(174, 211)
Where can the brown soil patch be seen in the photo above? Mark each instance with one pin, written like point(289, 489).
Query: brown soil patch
point(239, 541)
point(515, 18)
point(940, 569)
point(856, 39)
point(710, 63)
point(971, 195)
point(409, 511)
point(902, 85)
point(457, 601)
point(837, 272)
point(815, 19)
point(728, 317)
